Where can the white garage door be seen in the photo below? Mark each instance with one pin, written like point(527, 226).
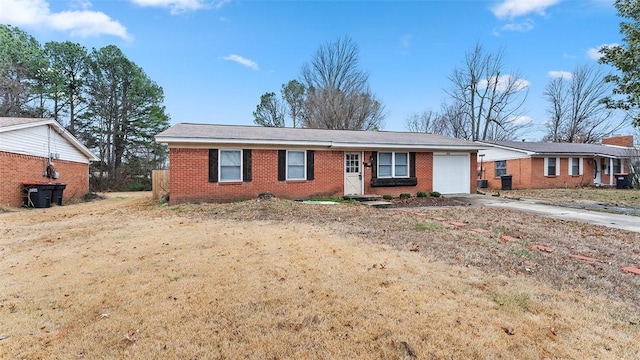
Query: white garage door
point(451, 173)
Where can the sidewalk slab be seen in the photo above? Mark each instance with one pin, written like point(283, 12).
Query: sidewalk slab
point(617, 221)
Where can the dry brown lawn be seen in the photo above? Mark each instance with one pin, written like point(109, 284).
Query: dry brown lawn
point(126, 278)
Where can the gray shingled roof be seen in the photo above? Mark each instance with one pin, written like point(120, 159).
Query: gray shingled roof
point(12, 121)
point(549, 148)
point(210, 134)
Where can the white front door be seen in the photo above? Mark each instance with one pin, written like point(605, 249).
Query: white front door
point(352, 174)
point(597, 176)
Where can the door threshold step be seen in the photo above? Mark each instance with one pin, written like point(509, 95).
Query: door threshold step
point(363, 197)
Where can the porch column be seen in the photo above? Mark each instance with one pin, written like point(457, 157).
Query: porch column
point(610, 171)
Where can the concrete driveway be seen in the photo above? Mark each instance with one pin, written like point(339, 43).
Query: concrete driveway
point(624, 222)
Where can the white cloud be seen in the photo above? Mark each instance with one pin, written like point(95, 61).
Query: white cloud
point(175, 6)
point(560, 74)
point(82, 23)
point(218, 4)
point(521, 120)
point(182, 6)
point(518, 27)
point(240, 60)
point(594, 53)
point(87, 23)
point(80, 4)
point(505, 82)
point(515, 8)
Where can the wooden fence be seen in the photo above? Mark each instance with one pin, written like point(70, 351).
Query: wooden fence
point(160, 184)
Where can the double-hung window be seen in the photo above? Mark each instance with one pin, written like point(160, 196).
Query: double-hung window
point(500, 167)
point(617, 166)
point(575, 166)
point(230, 163)
point(551, 166)
point(296, 165)
point(393, 164)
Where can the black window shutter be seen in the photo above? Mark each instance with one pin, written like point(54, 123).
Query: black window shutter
point(412, 164)
point(310, 156)
point(282, 165)
point(213, 165)
point(246, 165)
point(374, 162)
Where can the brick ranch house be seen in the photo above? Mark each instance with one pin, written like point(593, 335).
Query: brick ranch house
point(554, 165)
point(32, 148)
point(221, 163)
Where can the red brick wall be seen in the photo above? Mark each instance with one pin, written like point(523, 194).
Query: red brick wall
point(528, 173)
point(189, 174)
point(189, 178)
point(473, 172)
point(16, 169)
point(626, 140)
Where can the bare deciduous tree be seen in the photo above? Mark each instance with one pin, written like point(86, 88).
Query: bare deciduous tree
point(427, 121)
point(577, 109)
point(491, 100)
point(338, 94)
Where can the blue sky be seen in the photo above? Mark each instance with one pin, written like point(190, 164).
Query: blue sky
point(215, 58)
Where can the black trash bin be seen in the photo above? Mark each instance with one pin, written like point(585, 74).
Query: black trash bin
point(506, 181)
point(623, 181)
point(37, 195)
point(56, 193)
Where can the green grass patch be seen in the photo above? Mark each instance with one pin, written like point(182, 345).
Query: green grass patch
point(428, 225)
point(524, 253)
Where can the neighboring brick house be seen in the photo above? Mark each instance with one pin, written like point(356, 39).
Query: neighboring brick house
point(220, 163)
point(554, 165)
point(32, 149)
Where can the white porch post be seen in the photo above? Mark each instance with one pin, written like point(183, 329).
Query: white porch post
point(610, 171)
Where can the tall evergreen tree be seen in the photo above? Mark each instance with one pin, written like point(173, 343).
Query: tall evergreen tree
point(124, 112)
point(625, 59)
point(69, 63)
point(22, 65)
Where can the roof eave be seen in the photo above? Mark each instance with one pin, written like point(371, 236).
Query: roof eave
point(72, 139)
point(316, 144)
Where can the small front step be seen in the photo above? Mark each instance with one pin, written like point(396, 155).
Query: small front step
point(362, 198)
point(377, 204)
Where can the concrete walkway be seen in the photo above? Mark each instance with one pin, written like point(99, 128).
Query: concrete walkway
point(624, 222)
